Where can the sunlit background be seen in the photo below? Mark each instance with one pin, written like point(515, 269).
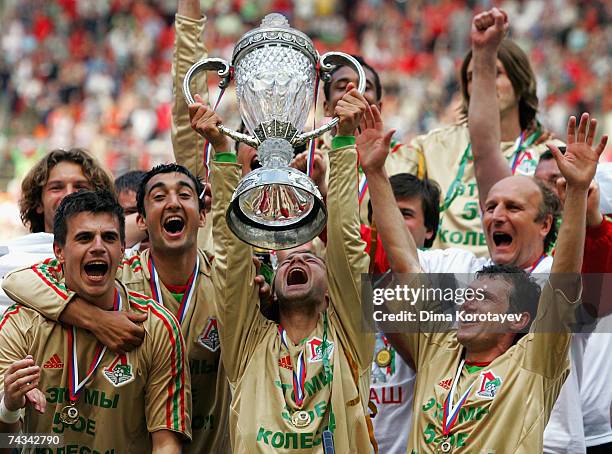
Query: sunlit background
point(96, 74)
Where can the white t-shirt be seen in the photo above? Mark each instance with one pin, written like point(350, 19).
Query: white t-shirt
point(23, 251)
point(564, 433)
point(596, 390)
point(391, 390)
point(454, 260)
point(604, 179)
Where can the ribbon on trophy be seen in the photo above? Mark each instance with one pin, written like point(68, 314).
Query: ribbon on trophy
point(207, 143)
point(311, 145)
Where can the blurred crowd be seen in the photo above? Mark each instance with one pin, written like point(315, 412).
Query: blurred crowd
point(97, 74)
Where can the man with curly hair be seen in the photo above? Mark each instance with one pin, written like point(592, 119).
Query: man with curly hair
point(59, 173)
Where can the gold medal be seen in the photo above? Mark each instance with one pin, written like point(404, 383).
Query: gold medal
point(445, 447)
point(69, 415)
point(383, 358)
point(300, 419)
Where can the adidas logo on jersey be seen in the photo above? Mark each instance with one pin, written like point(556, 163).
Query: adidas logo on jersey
point(54, 362)
point(446, 384)
point(285, 362)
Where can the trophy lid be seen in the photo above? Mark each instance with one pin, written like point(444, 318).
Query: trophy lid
point(275, 29)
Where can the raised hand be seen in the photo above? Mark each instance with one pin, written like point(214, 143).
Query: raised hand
point(319, 168)
point(372, 142)
point(579, 163)
point(350, 109)
point(20, 378)
point(488, 29)
point(205, 121)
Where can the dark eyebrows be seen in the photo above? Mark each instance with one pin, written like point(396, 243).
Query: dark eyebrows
point(84, 234)
point(162, 185)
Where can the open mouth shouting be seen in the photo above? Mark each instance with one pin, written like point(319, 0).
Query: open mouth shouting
point(173, 226)
point(297, 276)
point(96, 270)
point(502, 239)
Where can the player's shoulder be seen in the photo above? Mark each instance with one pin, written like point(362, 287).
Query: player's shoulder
point(158, 316)
point(206, 261)
point(132, 263)
point(444, 133)
point(22, 317)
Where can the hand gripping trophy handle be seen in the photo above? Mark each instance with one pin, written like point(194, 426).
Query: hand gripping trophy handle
point(224, 71)
point(327, 63)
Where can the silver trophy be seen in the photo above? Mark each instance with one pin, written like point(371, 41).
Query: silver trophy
point(275, 69)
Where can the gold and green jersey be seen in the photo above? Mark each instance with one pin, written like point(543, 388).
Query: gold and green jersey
point(127, 397)
point(269, 413)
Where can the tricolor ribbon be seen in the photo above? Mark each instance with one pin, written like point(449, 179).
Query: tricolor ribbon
point(299, 375)
point(536, 263)
point(363, 187)
point(517, 151)
point(187, 296)
point(311, 146)
point(207, 143)
point(74, 385)
point(452, 412)
point(391, 366)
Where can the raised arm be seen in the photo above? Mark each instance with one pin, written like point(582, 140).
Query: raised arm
point(189, 48)
point(549, 343)
point(373, 148)
point(346, 259)
point(578, 166)
point(236, 294)
point(490, 166)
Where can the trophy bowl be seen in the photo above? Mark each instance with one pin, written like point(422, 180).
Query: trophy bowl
point(275, 68)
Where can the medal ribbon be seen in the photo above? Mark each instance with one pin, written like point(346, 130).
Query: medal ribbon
point(536, 263)
point(207, 143)
point(453, 190)
point(522, 146)
point(299, 376)
point(311, 146)
point(452, 412)
point(363, 186)
point(391, 366)
point(74, 385)
point(187, 296)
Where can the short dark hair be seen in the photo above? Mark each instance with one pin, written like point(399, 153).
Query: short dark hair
point(551, 205)
point(168, 168)
point(98, 201)
point(129, 181)
point(525, 293)
point(365, 65)
point(406, 185)
point(33, 183)
point(546, 156)
point(521, 75)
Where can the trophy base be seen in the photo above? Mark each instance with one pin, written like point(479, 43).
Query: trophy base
point(276, 208)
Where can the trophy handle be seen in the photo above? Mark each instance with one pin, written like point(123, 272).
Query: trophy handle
point(239, 137)
point(224, 71)
point(208, 64)
point(327, 63)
